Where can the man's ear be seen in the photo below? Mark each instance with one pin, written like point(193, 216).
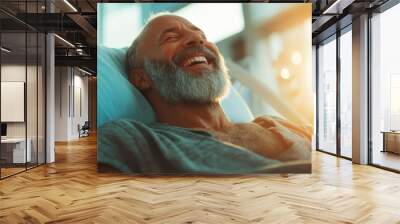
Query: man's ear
point(140, 79)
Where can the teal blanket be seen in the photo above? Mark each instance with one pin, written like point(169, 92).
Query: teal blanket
point(134, 147)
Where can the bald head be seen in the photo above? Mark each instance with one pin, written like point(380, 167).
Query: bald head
point(148, 43)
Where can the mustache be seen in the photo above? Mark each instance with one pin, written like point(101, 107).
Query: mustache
point(183, 54)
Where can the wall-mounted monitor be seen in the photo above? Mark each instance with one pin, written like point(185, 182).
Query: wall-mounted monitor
point(3, 129)
point(12, 101)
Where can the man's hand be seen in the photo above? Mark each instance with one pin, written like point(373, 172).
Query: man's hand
point(296, 138)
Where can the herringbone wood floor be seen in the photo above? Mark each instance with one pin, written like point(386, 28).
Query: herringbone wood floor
point(71, 191)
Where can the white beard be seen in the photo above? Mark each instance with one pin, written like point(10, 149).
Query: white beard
point(177, 86)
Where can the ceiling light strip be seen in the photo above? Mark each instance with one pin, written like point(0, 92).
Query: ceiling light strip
point(64, 40)
point(84, 71)
point(70, 5)
point(337, 7)
point(5, 49)
point(331, 7)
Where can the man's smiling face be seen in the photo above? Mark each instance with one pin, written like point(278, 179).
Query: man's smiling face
point(182, 65)
point(175, 40)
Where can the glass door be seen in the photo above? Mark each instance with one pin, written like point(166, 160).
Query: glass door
point(385, 90)
point(326, 59)
point(346, 93)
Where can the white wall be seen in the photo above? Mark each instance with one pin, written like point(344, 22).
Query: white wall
point(71, 94)
point(80, 109)
point(82, 82)
point(14, 73)
point(62, 81)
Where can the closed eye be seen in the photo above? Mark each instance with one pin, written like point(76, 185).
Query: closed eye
point(171, 38)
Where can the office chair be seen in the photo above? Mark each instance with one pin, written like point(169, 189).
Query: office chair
point(84, 130)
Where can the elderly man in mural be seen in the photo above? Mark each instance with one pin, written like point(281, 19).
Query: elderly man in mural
point(183, 76)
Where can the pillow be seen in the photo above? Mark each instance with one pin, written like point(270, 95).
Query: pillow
point(117, 98)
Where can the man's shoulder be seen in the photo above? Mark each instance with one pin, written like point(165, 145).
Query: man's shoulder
point(121, 143)
point(123, 127)
point(133, 128)
point(122, 122)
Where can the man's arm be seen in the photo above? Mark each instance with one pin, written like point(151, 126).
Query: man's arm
point(298, 139)
point(270, 121)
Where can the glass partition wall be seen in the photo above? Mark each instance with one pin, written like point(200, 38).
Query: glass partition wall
point(334, 94)
point(385, 90)
point(22, 87)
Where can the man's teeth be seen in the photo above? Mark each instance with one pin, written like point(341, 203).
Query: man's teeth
point(197, 59)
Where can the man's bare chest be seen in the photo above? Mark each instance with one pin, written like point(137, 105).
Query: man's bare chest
point(252, 137)
point(272, 142)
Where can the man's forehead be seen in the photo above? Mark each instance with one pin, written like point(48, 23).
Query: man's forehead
point(161, 23)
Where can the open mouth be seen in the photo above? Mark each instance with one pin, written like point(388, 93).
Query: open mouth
point(195, 60)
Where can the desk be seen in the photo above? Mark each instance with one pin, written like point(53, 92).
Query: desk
point(391, 141)
point(13, 150)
